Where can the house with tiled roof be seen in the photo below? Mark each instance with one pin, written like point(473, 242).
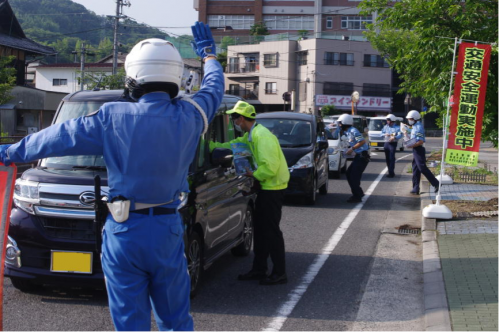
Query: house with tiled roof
point(30, 109)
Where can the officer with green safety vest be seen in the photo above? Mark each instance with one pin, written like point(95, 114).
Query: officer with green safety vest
point(273, 176)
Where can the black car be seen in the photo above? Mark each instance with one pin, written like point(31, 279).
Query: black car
point(51, 237)
point(304, 144)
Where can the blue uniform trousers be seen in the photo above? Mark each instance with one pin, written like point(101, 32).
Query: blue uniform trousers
point(354, 175)
point(418, 167)
point(145, 268)
point(390, 149)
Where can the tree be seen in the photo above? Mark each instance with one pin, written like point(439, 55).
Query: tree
point(105, 82)
point(226, 42)
point(329, 110)
point(417, 39)
point(7, 78)
point(303, 34)
point(259, 30)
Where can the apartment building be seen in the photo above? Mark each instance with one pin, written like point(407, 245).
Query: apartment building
point(315, 51)
point(335, 19)
point(316, 72)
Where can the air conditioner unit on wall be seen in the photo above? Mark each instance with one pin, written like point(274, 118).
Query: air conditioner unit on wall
point(345, 37)
point(221, 17)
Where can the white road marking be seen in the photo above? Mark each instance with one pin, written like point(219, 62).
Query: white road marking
point(295, 295)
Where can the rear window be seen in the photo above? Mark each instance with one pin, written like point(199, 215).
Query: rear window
point(290, 133)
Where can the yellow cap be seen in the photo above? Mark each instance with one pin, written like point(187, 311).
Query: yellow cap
point(244, 109)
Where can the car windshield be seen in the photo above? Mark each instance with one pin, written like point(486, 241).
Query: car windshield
point(376, 124)
point(290, 133)
point(71, 110)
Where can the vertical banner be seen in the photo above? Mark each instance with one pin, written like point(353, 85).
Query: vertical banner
point(469, 101)
point(7, 182)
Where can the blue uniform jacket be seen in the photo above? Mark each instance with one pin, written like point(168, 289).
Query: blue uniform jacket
point(354, 136)
point(147, 146)
point(392, 130)
point(417, 132)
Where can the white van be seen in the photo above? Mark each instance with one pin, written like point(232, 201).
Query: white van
point(376, 138)
point(337, 164)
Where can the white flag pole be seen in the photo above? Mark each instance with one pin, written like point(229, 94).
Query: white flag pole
point(438, 210)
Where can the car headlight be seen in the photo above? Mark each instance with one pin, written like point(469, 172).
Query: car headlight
point(26, 195)
point(305, 162)
point(12, 253)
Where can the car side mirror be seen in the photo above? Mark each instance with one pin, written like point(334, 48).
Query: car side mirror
point(323, 145)
point(222, 157)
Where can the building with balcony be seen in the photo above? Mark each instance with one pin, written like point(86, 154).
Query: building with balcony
point(332, 19)
point(316, 72)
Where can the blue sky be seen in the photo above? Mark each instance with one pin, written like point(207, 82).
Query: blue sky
point(176, 15)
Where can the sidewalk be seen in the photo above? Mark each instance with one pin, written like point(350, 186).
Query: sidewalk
point(460, 260)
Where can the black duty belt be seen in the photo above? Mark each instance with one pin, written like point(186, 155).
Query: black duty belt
point(156, 211)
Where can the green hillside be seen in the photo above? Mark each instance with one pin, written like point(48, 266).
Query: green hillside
point(64, 25)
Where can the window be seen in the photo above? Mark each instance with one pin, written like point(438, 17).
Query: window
point(338, 88)
point(376, 90)
point(271, 88)
point(329, 22)
point(372, 60)
point(283, 22)
point(59, 81)
point(301, 58)
point(355, 22)
point(236, 22)
point(342, 59)
point(233, 65)
point(270, 60)
point(234, 89)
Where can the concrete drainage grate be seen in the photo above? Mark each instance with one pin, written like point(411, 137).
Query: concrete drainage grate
point(416, 231)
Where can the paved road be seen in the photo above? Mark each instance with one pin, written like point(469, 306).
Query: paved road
point(334, 258)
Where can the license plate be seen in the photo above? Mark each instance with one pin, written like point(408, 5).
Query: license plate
point(374, 144)
point(71, 262)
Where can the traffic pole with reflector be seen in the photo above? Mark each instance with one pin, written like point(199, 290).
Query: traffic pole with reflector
point(7, 183)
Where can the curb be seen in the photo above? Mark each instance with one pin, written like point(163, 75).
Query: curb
point(437, 316)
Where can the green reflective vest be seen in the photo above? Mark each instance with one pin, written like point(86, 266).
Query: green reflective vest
point(272, 171)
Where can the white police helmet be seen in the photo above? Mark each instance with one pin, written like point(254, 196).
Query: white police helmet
point(413, 115)
point(346, 119)
point(155, 60)
point(391, 117)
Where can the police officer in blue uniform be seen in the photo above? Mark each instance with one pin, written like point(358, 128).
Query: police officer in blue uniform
point(392, 134)
point(360, 160)
point(148, 146)
point(419, 154)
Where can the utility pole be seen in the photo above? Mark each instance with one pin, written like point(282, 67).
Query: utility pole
point(83, 53)
point(82, 65)
point(119, 11)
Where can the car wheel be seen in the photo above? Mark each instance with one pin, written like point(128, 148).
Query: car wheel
point(24, 285)
point(244, 248)
point(195, 261)
point(312, 195)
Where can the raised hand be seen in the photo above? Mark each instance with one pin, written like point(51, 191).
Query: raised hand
point(203, 43)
